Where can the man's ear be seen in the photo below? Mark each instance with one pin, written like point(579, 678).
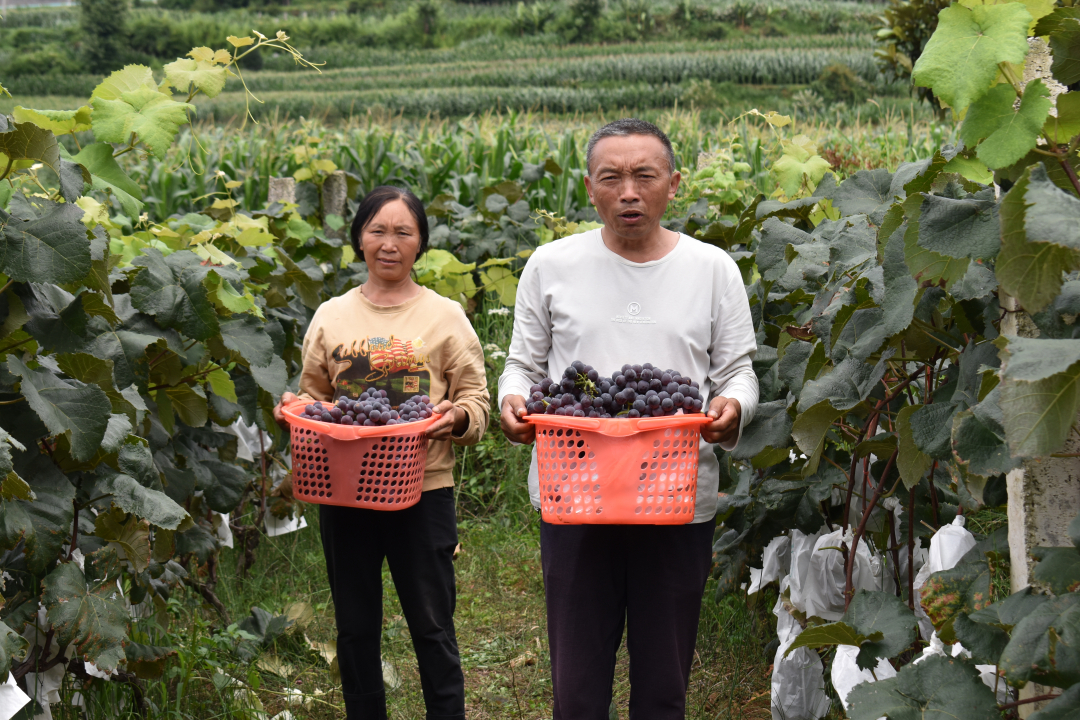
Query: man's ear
point(588, 189)
point(676, 178)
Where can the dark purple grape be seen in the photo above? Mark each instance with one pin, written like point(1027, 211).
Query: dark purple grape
point(567, 384)
point(677, 398)
point(630, 375)
point(620, 381)
point(309, 409)
point(643, 386)
point(630, 394)
point(633, 413)
point(698, 404)
point(672, 387)
point(592, 375)
point(646, 373)
point(639, 405)
point(579, 413)
point(654, 401)
point(665, 378)
point(346, 420)
point(326, 417)
point(667, 404)
point(694, 392)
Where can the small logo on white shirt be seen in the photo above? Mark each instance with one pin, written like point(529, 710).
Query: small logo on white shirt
point(633, 308)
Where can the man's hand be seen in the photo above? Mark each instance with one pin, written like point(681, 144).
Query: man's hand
point(726, 415)
point(454, 421)
point(513, 422)
point(279, 417)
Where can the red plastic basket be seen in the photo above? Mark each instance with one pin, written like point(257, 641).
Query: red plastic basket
point(618, 471)
point(379, 468)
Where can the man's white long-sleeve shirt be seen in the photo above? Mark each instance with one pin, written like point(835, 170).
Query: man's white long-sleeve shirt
point(688, 311)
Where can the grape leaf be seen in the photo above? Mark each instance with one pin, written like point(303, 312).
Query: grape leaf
point(1029, 265)
point(931, 426)
point(50, 515)
point(926, 265)
point(206, 76)
point(770, 428)
point(229, 482)
point(89, 613)
point(247, 336)
point(11, 645)
point(960, 61)
point(66, 406)
point(153, 116)
point(1006, 134)
point(1045, 645)
point(1066, 125)
point(272, 378)
point(127, 79)
point(799, 165)
point(1058, 568)
point(978, 438)
point(58, 122)
point(964, 588)
point(867, 192)
point(846, 386)
point(1040, 393)
point(911, 462)
point(171, 289)
point(106, 175)
point(938, 687)
point(809, 430)
point(28, 142)
point(886, 622)
point(837, 633)
point(967, 227)
point(149, 504)
point(1063, 27)
point(53, 248)
point(130, 534)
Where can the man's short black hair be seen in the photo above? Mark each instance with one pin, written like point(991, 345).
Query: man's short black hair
point(628, 126)
point(371, 205)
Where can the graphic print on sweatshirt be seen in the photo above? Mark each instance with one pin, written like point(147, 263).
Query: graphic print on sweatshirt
point(396, 366)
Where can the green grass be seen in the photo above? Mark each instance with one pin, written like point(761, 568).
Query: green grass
point(501, 629)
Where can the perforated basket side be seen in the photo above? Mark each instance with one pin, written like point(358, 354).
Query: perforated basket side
point(310, 467)
point(648, 478)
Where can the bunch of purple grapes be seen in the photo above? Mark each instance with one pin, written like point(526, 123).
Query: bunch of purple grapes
point(372, 408)
point(634, 391)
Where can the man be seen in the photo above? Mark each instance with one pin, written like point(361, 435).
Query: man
point(631, 292)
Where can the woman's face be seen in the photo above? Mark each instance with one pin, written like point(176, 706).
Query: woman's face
point(391, 242)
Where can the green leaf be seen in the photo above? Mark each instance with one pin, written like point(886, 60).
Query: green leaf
point(28, 142)
point(964, 588)
point(130, 77)
point(246, 335)
point(886, 621)
point(809, 430)
point(272, 378)
point(1058, 568)
point(12, 646)
point(1065, 706)
point(134, 459)
point(153, 116)
point(130, 534)
point(1066, 125)
point(1045, 644)
point(985, 642)
point(978, 438)
point(867, 192)
point(171, 289)
point(189, 404)
point(1063, 27)
point(1040, 393)
point(198, 540)
point(221, 384)
point(124, 348)
point(846, 386)
point(912, 463)
point(960, 61)
point(502, 281)
point(151, 505)
point(58, 122)
point(935, 689)
point(89, 613)
point(770, 428)
point(1006, 135)
point(1035, 253)
point(53, 248)
point(66, 406)
point(106, 175)
point(959, 228)
point(800, 166)
point(206, 76)
point(50, 515)
point(230, 481)
point(927, 266)
point(837, 633)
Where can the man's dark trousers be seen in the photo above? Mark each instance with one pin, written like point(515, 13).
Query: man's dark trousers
point(418, 544)
point(596, 577)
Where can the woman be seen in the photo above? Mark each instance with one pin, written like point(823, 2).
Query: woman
point(394, 335)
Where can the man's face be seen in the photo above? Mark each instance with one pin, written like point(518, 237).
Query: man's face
point(631, 184)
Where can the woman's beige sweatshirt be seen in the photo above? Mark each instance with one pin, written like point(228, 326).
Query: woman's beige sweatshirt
point(424, 346)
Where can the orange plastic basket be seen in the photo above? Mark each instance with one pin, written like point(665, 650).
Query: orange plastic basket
point(379, 468)
point(618, 471)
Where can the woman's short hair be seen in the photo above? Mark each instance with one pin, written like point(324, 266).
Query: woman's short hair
point(374, 201)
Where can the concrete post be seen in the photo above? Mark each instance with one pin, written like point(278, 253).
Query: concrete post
point(282, 189)
point(334, 195)
point(1044, 493)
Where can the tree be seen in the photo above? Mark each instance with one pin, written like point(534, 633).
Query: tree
point(104, 26)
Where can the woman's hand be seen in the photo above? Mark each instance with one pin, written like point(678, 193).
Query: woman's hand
point(454, 421)
point(279, 416)
point(725, 415)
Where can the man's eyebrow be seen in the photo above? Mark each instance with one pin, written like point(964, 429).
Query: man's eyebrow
point(636, 168)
